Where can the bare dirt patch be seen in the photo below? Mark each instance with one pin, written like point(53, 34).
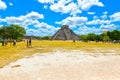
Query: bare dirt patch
point(68, 65)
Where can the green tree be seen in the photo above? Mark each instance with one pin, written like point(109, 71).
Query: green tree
point(17, 31)
point(83, 37)
point(91, 37)
point(106, 38)
point(98, 38)
point(45, 38)
point(114, 35)
point(3, 32)
point(12, 32)
point(110, 34)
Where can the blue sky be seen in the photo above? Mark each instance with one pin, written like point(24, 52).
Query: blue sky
point(45, 17)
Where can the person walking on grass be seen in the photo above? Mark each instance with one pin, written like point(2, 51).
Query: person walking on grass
point(6, 42)
point(30, 42)
point(27, 43)
point(14, 42)
point(3, 41)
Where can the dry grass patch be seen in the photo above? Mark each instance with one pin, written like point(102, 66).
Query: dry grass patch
point(12, 53)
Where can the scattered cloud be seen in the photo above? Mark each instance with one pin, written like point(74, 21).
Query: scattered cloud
point(82, 25)
point(73, 21)
point(98, 22)
point(24, 21)
point(87, 4)
point(46, 1)
point(1, 25)
point(11, 4)
point(115, 16)
point(45, 29)
point(45, 7)
point(2, 5)
point(108, 27)
point(31, 19)
point(34, 25)
point(70, 6)
point(91, 13)
point(105, 19)
point(97, 30)
point(63, 8)
point(34, 15)
point(85, 30)
point(105, 12)
point(40, 31)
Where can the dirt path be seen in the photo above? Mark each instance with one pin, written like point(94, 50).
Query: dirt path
point(72, 65)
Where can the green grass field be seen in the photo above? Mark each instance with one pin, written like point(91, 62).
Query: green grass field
point(12, 53)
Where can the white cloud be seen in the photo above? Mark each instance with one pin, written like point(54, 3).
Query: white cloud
point(1, 25)
point(23, 20)
point(104, 19)
point(81, 25)
point(42, 29)
point(115, 16)
point(91, 13)
point(35, 15)
point(85, 30)
point(2, 5)
point(105, 13)
point(65, 6)
point(87, 4)
point(31, 19)
point(70, 6)
point(46, 1)
point(47, 29)
point(11, 4)
point(45, 6)
point(32, 32)
point(97, 30)
point(98, 22)
point(108, 27)
point(73, 21)
point(104, 16)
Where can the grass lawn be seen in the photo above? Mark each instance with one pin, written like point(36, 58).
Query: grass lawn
point(12, 53)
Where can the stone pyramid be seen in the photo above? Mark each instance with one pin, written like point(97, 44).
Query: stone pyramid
point(65, 33)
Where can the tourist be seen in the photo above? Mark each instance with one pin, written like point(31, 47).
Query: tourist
point(3, 41)
point(6, 42)
point(27, 43)
point(14, 42)
point(30, 41)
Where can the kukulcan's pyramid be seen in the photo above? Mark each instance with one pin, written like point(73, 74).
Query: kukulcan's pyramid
point(65, 33)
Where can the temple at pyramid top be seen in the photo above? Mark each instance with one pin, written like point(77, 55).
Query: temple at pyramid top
point(65, 33)
point(65, 26)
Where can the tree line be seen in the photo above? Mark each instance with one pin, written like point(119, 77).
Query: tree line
point(12, 32)
point(105, 36)
point(17, 32)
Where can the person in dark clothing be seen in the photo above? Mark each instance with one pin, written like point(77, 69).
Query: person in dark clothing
point(30, 42)
point(14, 42)
point(3, 41)
point(27, 43)
point(6, 42)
